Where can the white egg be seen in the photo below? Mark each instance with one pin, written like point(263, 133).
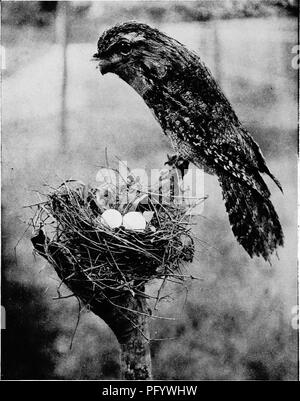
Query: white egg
point(148, 216)
point(134, 221)
point(112, 218)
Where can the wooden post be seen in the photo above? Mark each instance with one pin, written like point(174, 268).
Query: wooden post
point(217, 53)
point(62, 33)
point(127, 314)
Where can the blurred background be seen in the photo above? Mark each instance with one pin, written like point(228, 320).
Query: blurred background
point(58, 115)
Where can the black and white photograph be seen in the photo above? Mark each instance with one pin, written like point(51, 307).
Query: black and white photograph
point(149, 188)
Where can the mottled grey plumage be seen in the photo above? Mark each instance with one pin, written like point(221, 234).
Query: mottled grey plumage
point(200, 122)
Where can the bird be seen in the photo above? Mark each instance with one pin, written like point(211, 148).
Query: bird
point(201, 124)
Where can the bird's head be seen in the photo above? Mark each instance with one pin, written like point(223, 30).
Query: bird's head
point(139, 54)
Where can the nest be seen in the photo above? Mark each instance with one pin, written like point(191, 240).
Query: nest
point(97, 261)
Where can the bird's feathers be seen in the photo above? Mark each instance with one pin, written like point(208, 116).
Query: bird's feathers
point(201, 124)
point(253, 218)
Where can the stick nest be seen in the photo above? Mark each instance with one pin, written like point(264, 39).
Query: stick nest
point(95, 260)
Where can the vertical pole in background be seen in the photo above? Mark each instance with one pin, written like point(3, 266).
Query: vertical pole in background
point(217, 53)
point(62, 30)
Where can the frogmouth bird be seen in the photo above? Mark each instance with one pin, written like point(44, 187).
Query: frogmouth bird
point(200, 123)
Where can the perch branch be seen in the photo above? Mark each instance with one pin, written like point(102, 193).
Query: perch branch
point(128, 320)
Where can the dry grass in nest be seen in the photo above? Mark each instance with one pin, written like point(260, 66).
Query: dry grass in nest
point(104, 260)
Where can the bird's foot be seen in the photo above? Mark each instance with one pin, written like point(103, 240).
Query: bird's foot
point(177, 161)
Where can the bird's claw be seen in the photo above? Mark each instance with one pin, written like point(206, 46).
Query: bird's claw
point(177, 161)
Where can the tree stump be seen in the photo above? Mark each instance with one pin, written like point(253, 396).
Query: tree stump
point(127, 315)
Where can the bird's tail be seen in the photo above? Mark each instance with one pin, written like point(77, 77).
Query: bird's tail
point(253, 218)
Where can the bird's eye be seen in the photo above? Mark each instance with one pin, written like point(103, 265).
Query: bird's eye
point(124, 48)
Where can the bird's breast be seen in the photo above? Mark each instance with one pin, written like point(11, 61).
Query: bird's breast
point(138, 82)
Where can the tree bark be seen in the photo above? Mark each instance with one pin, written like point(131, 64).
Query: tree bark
point(135, 350)
point(126, 314)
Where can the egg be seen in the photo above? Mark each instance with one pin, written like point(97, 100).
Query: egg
point(134, 221)
point(148, 216)
point(111, 218)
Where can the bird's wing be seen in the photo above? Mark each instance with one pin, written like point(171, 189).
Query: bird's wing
point(215, 135)
point(231, 160)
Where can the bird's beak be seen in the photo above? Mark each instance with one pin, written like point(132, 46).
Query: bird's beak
point(103, 64)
